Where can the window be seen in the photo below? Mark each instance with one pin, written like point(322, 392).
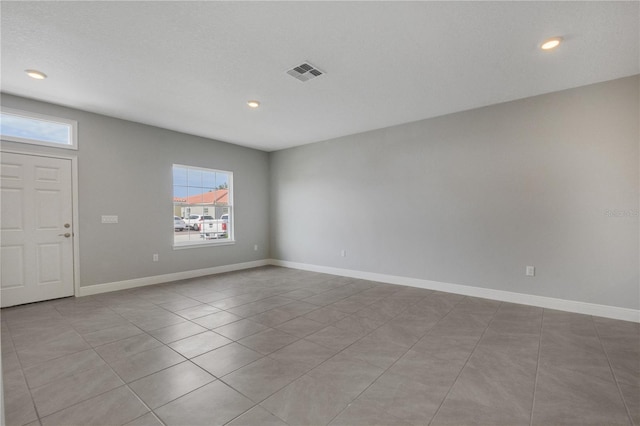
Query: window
point(203, 199)
point(28, 127)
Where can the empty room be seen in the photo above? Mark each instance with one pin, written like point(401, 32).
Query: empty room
point(385, 213)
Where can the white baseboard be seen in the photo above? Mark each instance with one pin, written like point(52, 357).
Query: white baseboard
point(606, 311)
point(486, 293)
point(159, 279)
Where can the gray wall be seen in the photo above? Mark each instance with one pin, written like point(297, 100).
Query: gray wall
point(472, 198)
point(124, 169)
point(468, 198)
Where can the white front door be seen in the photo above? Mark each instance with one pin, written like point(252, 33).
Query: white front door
point(36, 229)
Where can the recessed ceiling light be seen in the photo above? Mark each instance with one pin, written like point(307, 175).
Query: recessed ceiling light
point(253, 104)
point(551, 43)
point(38, 75)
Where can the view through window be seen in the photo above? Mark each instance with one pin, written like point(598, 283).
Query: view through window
point(37, 129)
point(202, 206)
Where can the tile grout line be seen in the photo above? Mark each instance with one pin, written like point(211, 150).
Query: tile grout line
point(615, 378)
point(466, 362)
point(396, 361)
point(62, 356)
point(152, 410)
point(267, 356)
point(186, 360)
point(333, 356)
point(535, 382)
point(220, 378)
point(326, 325)
point(248, 292)
point(148, 412)
point(33, 401)
point(255, 403)
point(85, 400)
point(124, 383)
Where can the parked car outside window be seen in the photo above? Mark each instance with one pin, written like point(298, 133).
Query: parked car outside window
point(196, 221)
point(179, 224)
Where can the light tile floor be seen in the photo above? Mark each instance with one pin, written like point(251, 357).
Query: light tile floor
point(276, 346)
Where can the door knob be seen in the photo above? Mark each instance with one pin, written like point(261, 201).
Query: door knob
point(66, 235)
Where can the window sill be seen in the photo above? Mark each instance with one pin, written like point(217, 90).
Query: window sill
point(201, 244)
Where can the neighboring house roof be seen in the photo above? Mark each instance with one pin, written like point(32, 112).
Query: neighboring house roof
point(218, 196)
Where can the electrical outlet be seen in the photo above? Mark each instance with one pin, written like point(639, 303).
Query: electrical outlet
point(530, 271)
point(255, 247)
point(155, 257)
point(343, 253)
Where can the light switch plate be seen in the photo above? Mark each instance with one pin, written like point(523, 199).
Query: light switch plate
point(109, 219)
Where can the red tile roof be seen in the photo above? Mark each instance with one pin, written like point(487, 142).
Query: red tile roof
point(219, 196)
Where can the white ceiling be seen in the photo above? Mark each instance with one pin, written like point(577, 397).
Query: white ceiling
point(191, 66)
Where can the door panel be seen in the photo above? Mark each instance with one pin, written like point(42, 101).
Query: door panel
point(12, 201)
point(48, 209)
point(49, 256)
point(12, 266)
point(37, 249)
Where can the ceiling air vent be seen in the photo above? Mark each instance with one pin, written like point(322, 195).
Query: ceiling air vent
point(305, 72)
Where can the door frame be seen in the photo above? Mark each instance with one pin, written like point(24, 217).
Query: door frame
point(74, 207)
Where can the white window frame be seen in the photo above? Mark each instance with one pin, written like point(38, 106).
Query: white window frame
point(41, 117)
point(231, 223)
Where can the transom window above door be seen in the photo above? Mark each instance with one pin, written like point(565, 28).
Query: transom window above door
point(38, 129)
